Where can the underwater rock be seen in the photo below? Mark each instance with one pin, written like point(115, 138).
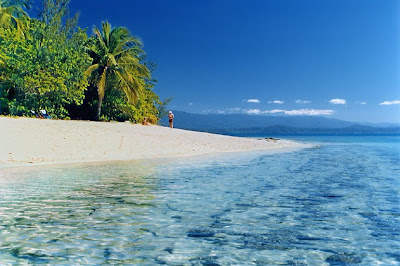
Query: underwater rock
point(199, 232)
point(170, 250)
point(344, 258)
point(107, 253)
point(36, 257)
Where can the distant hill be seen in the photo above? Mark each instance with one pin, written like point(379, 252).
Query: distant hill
point(242, 124)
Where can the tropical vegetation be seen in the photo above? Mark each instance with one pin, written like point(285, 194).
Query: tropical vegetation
point(13, 16)
point(49, 63)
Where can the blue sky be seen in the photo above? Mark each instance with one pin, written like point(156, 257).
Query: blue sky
point(337, 58)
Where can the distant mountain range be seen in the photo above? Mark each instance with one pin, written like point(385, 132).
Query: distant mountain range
point(242, 124)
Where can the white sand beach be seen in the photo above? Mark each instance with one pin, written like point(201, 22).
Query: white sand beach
point(41, 141)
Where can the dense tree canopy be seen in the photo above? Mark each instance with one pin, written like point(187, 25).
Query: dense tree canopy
point(49, 63)
point(45, 70)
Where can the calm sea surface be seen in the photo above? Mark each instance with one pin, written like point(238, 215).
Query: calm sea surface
point(335, 204)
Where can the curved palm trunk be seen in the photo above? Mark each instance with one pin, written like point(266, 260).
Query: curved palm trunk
point(99, 108)
point(100, 90)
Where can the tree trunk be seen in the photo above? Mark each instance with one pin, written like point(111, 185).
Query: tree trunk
point(99, 108)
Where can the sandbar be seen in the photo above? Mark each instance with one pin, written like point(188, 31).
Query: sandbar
point(33, 141)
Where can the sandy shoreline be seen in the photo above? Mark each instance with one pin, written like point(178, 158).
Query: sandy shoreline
point(31, 141)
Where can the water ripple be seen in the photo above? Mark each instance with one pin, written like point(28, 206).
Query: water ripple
point(336, 205)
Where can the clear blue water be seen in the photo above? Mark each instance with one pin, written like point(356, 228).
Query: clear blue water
point(338, 204)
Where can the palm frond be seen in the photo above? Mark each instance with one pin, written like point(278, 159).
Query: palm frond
point(111, 60)
point(134, 51)
point(106, 29)
point(117, 35)
point(14, 17)
point(21, 3)
point(129, 86)
point(132, 64)
point(97, 32)
point(90, 69)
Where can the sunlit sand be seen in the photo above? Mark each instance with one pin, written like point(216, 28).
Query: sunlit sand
point(38, 141)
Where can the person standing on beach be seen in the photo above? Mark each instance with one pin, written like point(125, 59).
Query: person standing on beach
point(171, 119)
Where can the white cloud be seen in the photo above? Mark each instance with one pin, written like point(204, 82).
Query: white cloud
point(253, 100)
point(310, 112)
point(190, 103)
point(253, 111)
point(338, 101)
point(302, 101)
point(301, 112)
point(276, 102)
point(390, 102)
point(274, 111)
point(234, 109)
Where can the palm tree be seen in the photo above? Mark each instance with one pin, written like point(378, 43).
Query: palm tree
point(116, 60)
point(12, 15)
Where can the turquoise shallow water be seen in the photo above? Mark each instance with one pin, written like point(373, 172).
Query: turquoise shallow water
point(338, 204)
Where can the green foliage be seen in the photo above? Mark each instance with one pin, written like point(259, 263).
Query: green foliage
point(146, 107)
point(3, 58)
point(4, 103)
point(162, 108)
point(47, 63)
point(45, 71)
point(117, 107)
